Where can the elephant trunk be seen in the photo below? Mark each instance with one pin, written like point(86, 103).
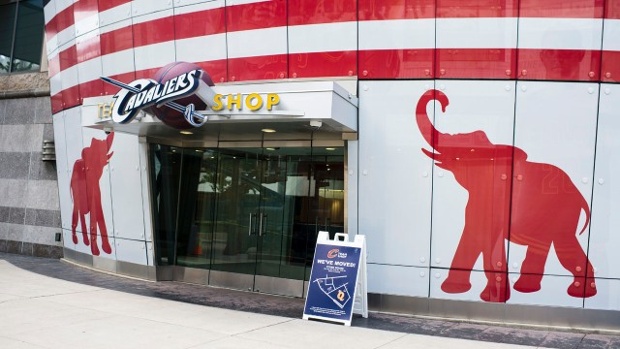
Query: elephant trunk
point(428, 130)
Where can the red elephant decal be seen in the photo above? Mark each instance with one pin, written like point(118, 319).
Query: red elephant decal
point(86, 193)
point(510, 198)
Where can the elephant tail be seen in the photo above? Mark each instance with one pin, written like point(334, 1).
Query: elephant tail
point(586, 208)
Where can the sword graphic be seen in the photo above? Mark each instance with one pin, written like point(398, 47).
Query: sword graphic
point(189, 112)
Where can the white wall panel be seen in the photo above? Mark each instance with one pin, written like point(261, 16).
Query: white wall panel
point(131, 251)
point(147, 213)
point(63, 171)
point(141, 7)
point(556, 128)
point(398, 280)
point(553, 292)
point(477, 280)
point(115, 14)
point(607, 296)
point(106, 195)
point(395, 176)
point(73, 143)
point(476, 109)
point(150, 254)
point(604, 236)
point(126, 187)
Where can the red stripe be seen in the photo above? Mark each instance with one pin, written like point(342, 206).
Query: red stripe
point(323, 64)
point(91, 88)
point(117, 40)
point(257, 68)
point(153, 32)
point(71, 97)
point(200, 23)
point(56, 101)
point(54, 66)
point(109, 89)
point(88, 49)
point(218, 70)
point(396, 64)
point(562, 8)
point(68, 58)
point(311, 12)
point(611, 66)
point(64, 19)
point(51, 29)
point(481, 63)
point(565, 65)
point(266, 14)
point(480, 8)
point(612, 9)
point(395, 9)
point(108, 4)
point(84, 9)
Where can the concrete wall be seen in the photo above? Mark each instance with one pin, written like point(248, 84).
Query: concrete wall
point(29, 207)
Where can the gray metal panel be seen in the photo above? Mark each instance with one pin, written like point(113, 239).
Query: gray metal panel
point(78, 257)
point(165, 273)
point(279, 286)
point(136, 270)
point(506, 314)
point(231, 280)
point(191, 275)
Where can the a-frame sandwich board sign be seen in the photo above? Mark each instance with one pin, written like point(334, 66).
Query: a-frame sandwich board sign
point(337, 286)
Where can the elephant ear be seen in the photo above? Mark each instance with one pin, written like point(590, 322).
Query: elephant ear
point(429, 153)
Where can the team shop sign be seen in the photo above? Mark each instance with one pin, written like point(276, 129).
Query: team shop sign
point(142, 94)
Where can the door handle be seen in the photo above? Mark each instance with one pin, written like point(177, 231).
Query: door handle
point(260, 223)
point(250, 225)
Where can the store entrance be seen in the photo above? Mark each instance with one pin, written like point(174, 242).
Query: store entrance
point(246, 214)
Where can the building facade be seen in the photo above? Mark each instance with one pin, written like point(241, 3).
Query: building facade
point(471, 142)
point(29, 206)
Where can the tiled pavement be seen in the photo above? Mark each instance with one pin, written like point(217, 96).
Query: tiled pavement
point(293, 308)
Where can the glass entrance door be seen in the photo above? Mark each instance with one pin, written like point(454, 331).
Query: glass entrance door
point(247, 216)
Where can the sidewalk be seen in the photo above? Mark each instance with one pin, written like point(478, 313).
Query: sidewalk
point(51, 304)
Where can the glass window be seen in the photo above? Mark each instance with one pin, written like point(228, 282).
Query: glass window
point(21, 35)
point(28, 36)
point(7, 27)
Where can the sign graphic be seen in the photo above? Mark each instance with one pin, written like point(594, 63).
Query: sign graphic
point(86, 194)
point(180, 95)
point(338, 275)
point(510, 198)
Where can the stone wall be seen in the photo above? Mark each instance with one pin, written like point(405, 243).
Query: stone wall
point(29, 205)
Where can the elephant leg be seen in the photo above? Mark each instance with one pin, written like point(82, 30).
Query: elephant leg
point(533, 268)
point(74, 218)
point(574, 259)
point(105, 242)
point(465, 257)
point(93, 232)
point(496, 272)
point(84, 230)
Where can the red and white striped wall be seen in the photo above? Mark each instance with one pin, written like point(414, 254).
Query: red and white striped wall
point(241, 40)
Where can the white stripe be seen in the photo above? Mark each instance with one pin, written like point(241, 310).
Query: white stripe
point(244, 2)
point(154, 56)
point(202, 6)
point(497, 32)
point(49, 11)
point(259, 42)
point(89, 70)
point(203, 48)
point(611, 40)
point(397, 34)
point(141, 7)
point(62, 5)
point(152, 17)
point(87, 24)
point(65, 35)
point(115, 14)
point(69, 77)
point(116, 26)
point(52, 45)
point(560, 33)
point(324, 37)
point(117, 63)
point(87, 36)
point(55, 84)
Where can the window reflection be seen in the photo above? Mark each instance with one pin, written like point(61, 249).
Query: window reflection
point(21, 35)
